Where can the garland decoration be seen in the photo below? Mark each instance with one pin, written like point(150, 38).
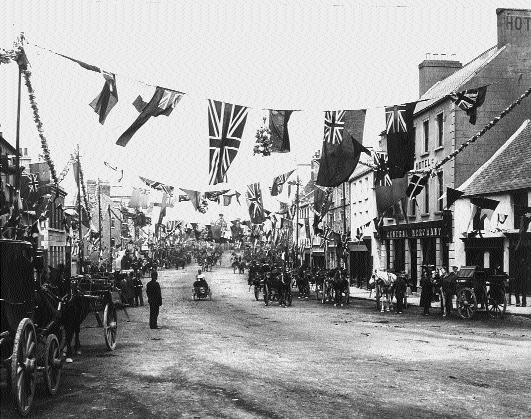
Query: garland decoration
point(263, 143)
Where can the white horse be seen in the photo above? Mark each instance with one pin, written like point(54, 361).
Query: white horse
point(384, 284)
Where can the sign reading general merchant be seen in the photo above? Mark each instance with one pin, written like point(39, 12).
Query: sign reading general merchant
point(439, 228)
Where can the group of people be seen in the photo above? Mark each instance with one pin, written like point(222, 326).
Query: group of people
point(442, 282)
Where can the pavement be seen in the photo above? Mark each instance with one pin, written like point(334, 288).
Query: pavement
point(414, 300)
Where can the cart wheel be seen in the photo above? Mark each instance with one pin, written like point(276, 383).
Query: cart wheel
point(466, 303)
point(23, 366)
point(110, 326)
point(256, 292)
point(266, 295)
point(496, 303)
point(52, 364)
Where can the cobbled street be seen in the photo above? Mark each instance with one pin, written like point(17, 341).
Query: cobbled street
point(233, 357)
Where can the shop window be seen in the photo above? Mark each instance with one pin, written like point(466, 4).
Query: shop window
point(440, 131)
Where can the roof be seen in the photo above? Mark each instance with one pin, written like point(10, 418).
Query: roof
point(508, 169)
point(456, 80)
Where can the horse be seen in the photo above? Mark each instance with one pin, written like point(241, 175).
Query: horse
point(277, 284)
point(384, 284)
point(303, 283)
point(341, 287)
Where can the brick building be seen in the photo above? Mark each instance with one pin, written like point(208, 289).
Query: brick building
point(441, 127)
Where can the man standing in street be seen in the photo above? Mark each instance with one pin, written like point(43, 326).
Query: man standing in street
point(154, 295)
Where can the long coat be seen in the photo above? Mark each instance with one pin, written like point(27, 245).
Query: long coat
point(154, 293)
point(427, 289)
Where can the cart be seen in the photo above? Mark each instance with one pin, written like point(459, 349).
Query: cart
point(202, 293)
point(477, 287)
point(28, 344)
point(103, 298)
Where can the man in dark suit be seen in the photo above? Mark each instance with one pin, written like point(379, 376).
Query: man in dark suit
point(154, 295)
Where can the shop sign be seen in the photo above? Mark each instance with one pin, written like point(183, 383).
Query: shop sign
point(440, 228)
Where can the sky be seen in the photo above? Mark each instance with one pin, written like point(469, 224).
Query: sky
point(306, 55)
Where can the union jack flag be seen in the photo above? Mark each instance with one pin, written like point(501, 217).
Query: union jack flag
point(158, 185)
point(334, 124)
point(33, 182)
point(395, 119)
point(256, 206)
point(226, 123)
point(469, 100)
point(381, 177)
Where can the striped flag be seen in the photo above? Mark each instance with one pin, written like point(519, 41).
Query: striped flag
point(278, 183)
point(226, 123)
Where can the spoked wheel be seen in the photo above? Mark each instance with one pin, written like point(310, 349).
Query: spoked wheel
point(52, 364)
point(496, 303)
point(23, 366)
point(466, 303)
point(266, 295)
point(256, 292)
point(110, 326)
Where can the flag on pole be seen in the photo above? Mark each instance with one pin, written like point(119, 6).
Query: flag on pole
point(226, 123)
point(470, 100)
point(341, 151)
point(278, 125)
point(278, 183)
point(162, 103)
point(107, 99)
point(387, 196)
point(416, 184)
point(255, 203)
point(400, 139)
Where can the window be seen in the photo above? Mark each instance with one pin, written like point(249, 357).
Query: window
point(426, 128)
point(440, 131)
point(440, 202)
point(427, 198)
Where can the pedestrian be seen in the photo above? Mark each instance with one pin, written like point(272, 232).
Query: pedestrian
point(154, 295)
point(400, 292)
point(130, 289)
point(427, 289)
point(139, 299)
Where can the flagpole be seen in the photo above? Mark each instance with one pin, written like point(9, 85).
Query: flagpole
point(80, 216)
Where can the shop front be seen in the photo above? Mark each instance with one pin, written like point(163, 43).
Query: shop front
point(360, 256)
point(406, 247)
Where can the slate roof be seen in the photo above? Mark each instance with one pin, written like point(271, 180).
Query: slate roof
point(456, 80)
point(508, 170)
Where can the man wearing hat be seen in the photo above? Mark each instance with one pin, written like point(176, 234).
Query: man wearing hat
point(154, 295)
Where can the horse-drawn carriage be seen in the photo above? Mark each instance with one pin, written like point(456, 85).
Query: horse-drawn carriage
point(29, 340)
point(100, 296)
point(335, 287)
point(474, 286)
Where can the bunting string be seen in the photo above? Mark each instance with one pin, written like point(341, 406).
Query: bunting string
point(66, 169)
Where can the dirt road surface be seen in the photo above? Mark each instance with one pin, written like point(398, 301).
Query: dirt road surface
point(233, 357)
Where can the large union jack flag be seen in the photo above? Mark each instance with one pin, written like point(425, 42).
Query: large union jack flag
point(226, 123)
point(256, 206)
point(395, 119)
point(334, 124)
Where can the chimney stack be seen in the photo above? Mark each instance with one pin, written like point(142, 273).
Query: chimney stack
point(514, 27)
point(434, 69)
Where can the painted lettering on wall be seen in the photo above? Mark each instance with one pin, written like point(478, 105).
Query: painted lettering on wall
point(518, 23)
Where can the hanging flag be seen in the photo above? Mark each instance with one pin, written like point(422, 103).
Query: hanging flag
point(400, 139)
point(470, 100)
point(226, 123)
point(388, 196)
point(158, 185)
point(162, 103)
point(381, 174)
point(278, 183)
point(197, 199)
point(452, 195)
point(486, 207)
point(227, 200)
point(183, 198)
point(278, 125)
point(340, 153)
point(214, 196)
point(416, 184)
point(256, 206)
point(107, 99)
